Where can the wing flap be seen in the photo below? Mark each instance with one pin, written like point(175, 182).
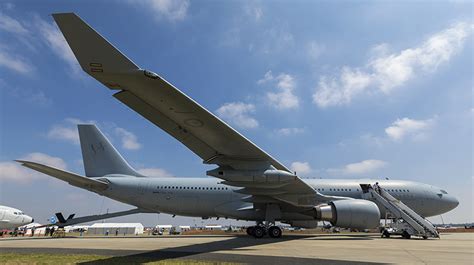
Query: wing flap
point(69, 177)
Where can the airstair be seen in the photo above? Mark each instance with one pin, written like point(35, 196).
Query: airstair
point(411, 223)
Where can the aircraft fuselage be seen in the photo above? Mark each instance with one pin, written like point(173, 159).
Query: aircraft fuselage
point(207, 197)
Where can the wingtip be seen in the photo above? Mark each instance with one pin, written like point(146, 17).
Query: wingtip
point(63, 14)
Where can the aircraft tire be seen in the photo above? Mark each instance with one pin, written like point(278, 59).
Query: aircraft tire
point(274, 232)
point(250, 230)
point(258, 232)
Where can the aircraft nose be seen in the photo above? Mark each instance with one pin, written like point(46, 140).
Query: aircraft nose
point(30, 219)
point(451, 201)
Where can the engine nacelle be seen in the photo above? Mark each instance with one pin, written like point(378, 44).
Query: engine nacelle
point(358, 214)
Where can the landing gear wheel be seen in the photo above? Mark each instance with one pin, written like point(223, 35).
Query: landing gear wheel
point(385, 234)
point(250, 230)
point(274, 232)
point(425, 237)
point(258, 232)
point(406, 235)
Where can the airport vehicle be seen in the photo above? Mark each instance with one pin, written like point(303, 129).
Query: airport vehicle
point(11, 218)
point(249, 184)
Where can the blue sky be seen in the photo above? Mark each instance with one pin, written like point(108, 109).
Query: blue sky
point(332, 90)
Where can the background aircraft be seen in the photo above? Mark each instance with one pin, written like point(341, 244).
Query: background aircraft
point(11, 218)
point(253, 186)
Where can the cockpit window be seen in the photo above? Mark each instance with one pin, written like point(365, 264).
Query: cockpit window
point(444, 192)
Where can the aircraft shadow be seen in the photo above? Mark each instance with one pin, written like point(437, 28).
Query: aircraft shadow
point(204, 251)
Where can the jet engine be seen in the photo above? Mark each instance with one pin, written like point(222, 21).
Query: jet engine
point(358, 214)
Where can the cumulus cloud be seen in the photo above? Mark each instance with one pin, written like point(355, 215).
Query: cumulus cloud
point(289, 131)
point(54, 39)
point(14, 172)
point(66, 131)
point(283, 97)
point(155, 172)
point(128, 139)
point(386, 71)
point(362, 167)
point(402, 128)
point(238, 113)
point(301, 168)
point(173, 10)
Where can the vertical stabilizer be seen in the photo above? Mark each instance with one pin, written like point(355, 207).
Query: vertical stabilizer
point(99, 155)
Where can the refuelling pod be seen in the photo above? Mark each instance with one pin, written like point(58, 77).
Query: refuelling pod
point(358, 214)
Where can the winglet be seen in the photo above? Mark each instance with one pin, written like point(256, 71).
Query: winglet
point(94, 53)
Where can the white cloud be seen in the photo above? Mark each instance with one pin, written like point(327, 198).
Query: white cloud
point(14, 172)
point(238, 113)
point(408, 127)
point(387, 71)
point(283, 98)
point(11, 25)
point(315, 49)
point(332, 91)
point(128, 139)
point(301, 168)
point(289, 131)
point(362, 167)
point(266, 78)
point(253, 11)
point(173, 10)
point(67, 131)
point(56, 42)
point(14, 62)
point(46, 159)
point(155, 172)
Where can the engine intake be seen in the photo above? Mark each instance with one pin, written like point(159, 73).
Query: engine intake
point(358, 214)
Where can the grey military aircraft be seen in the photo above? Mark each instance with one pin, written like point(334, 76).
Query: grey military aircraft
point(249, 184)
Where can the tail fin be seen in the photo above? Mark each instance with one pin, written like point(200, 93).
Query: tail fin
point(94, 53)
point(100, 157)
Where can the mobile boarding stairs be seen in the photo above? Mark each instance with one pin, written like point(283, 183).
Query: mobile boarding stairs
point(407, 223)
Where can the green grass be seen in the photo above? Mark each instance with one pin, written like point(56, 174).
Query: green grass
point(16, 258)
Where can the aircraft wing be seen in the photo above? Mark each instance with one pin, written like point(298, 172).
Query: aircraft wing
point(170, 109)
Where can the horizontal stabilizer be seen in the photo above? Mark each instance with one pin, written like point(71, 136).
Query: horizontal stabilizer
point(94, 53)
point(91, 218)
point(69, 177)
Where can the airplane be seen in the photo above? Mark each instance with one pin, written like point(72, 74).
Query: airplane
point(11, 218)
point(248, 183)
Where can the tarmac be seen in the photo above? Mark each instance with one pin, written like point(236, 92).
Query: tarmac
point(454, 248)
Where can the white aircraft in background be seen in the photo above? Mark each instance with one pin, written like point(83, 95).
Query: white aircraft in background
point(11, 218)
point(249, 184)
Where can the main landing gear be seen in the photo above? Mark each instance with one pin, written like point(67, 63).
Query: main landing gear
point(260, 231)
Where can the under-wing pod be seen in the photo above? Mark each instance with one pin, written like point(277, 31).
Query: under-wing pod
point(358, 214)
